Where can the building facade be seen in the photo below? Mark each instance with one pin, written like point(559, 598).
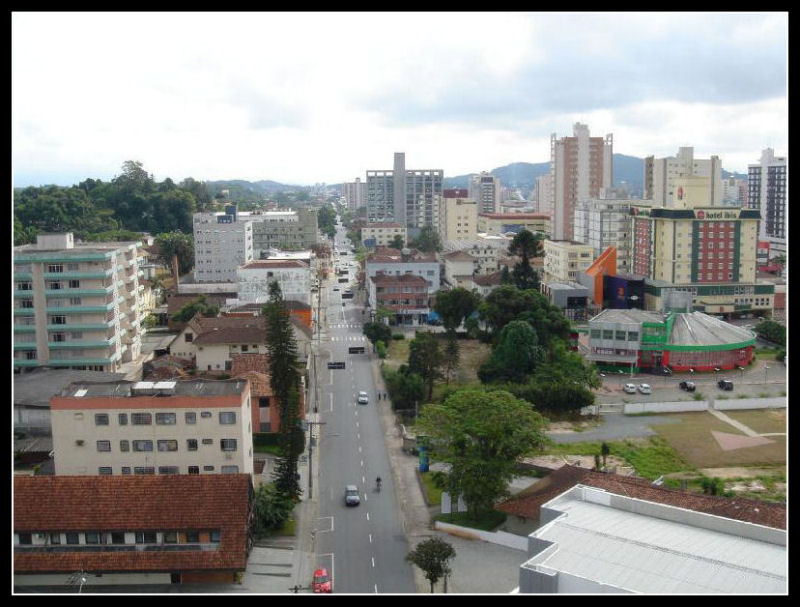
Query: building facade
point(173, 427)
point(254, 278)
point(579, 166)
point(382, 234)
point(767, 192)
point(392, 262)
point(355, 194)
point(565, 259)
point(288, 230)
point(603, 223)
point(76, 305)
point(222, 243)
point(485, 189)
point(662, 174)
point(459, 267)
point(406, 296)
point(514, 223)
point(458, 218)
point(572, 298)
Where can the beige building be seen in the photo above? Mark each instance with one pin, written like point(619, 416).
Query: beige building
point(173, 427)
point(564, 259)
point(458, 219)
point(383, 233)
point(504, 223)
point(459, 268)
point(487, 249)
point(661, 177)
point(486, 190)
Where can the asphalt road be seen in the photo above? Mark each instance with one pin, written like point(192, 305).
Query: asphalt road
point(362, 546)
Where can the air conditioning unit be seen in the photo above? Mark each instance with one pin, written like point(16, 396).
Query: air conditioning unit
point(79, 442)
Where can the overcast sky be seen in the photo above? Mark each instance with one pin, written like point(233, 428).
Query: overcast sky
point(301, 98)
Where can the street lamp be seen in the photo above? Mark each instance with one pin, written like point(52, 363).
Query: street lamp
point(765, 373)
point(742, 370)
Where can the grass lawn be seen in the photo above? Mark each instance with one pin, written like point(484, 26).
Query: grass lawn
point(397, 353)
point(692, 439)
point(432, 493)
point(273, 449)
point(487, 522)
point(287, 529)
point(762, 421)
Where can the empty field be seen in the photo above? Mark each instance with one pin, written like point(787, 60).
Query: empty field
point(762, 421)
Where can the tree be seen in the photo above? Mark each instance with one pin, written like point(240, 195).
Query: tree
point(425, 358)
point(427, 241)
point(505, 277)
point(377, 331)
point(326, 220)
point(199, 306)
point(605, 450)
point(455, 305)
point(515, 356)
point(451, 355)
point(527, 245)
point(397, 242)
point(481, 434)
point(272, 508)
point(432, 556)
point(176, 243)
point(405, 389)
point(772, 331)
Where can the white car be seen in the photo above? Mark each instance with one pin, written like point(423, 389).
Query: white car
point(645, 388)
point(630, 388)
point(363, 399)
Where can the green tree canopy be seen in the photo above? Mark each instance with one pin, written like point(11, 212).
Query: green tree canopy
point(176, 243)
point(455, 305)
point(377, 331)
point(397, 242)
point(187, 312)
point(432, 557)
point(772, 331)
point(527, 245)
point(425, 358)
point(405, 389)
point(516, 355)
point(427, 241)
point(482, 434)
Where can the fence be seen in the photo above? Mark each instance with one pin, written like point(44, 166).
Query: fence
point(683, 406)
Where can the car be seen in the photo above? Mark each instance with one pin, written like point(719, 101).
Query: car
point(321, 582)
point(629, 388)
point(687, 385)
point(725, 384)
point(645, 388)
point(363, 399)
point(351, 496)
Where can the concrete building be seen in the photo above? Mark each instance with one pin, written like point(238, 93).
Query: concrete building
point(406, 296)
point(76, 305)
point(459, 268)
point(222, 243)
point(661, 176)
point(603, 223)
point(172, 427)
point(572, 298)
point(565, 259)
point(485, 189)
point(767, 192)
point(382, 234)
point(513, 223)
point(543, 195)
point(731, 191)
point(486, 249)
point(486, 283)
point(579, 166)
point(355, 194)
point(284, 230)
point(254, 278)
point(403, 195)
point(392, 262)
point(458, 218)
point(130, 530)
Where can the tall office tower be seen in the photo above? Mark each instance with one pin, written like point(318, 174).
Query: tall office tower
point(403, 195)
point(579, 165)
point(355, 194)
point(485, 189)
point(76, 305)
point(544, 195)
point(660, 175)
point(767, 192)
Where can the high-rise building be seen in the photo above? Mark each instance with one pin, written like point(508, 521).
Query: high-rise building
point(661, 175)
point(76, 305)
point(603, 223)
point(485, 189)
point(404, 196)
point(222, 243)
point(579, 166)
point(543, 198)
point(458, 217)
point(767, 192)
point(355, 194)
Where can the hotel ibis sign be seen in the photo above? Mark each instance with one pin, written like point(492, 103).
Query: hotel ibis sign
point(709, 214)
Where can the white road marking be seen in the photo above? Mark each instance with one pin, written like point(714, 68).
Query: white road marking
point(323, 518)
point(358, 435)
point(362, 463)
point(376, 588)
point(331, 402)
point(363, 480)
point(368, 519)
point(370, 538)
point(359, 448)
point(373, 561)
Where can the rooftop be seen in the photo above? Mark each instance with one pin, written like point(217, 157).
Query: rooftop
point(196, 388)
point(627, 316)
point(274, 263)
point(698, 329)
point(37, 387)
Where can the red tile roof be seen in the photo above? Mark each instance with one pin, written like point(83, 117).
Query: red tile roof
point(134, 503)
point(488, 280)
point(528, 502)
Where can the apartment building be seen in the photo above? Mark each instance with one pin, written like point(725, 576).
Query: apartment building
point(485, 189)
point(486, 249)
point(603, 223)
point(172, 427)
point(392, 262)
point(565, 259)
point(661, 177)
point(288, 230)
point(513, 223)
point(406, 296)
point(254, 278)
point(76, 305)
point(543, 195)
point(354, 194)
point(403, 195)
point(382, 234)
point(767, 192)
point(458, 217)
point(222, 243)
point(459, 267)
point(579, 167)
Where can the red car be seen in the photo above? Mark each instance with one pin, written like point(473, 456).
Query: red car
point(321, 583)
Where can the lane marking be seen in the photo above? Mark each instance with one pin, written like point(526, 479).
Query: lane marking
point(370, 538)
point(324, 518)
point(376, 588)
point(368, 519)
point(362, 463)
point(331, 401)
point(359, 448)
point(373, 561)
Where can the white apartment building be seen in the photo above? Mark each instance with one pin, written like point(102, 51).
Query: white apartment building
point(486, 249)
point(458, 218)
point(601, 223)
point(355, 194)
point(77, 305)
point(175, 427)
point(564, 259)
point(768, 192)
point(485, 189)
point(458, 268)
point(254, 278)
point(381, 234)
point(661, 174)
point(222, 243)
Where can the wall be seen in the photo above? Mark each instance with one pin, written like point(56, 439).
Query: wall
point(509, 540)
point(779, 402)
point(104, 579)
point(694, 405)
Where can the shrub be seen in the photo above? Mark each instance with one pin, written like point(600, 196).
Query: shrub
point(381, 348)
point(398, 336)
point(699, 396)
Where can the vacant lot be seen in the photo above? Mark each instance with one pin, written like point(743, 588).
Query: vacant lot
point(691, 437)
point(472, 354)
point(762, 421)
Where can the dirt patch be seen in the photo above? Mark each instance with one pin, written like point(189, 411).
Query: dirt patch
point(737, 472)
point(570, 427)
point(554, 462)
point(743, 486)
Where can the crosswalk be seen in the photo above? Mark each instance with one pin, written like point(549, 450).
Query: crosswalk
point(346, 326)
point(350, 338)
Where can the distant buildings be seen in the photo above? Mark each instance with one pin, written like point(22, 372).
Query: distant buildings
point(579, 167)
point(355, 194)
point(768, 193)
point(486, 190)
point(661, 175)
point(505, 223)
point(564, 259)
point(76, 305)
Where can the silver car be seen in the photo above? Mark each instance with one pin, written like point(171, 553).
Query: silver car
point(363, 399)
point(351, 496)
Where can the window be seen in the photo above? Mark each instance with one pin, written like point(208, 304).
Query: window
point(188, 337)
point(168, 445)
point(595, 333)
point(215, 535)
point(146, 537)
point(126, 469)
point(608, 334)
point(141, 419)
point(165, 419)
point(194, 470)
point(104, 445)
point(55, 538)
point(24, 286)
point(124, 446)
point(25, 539)
point(227, 417)
point(190, 418)
point(26, 303)
point(170, 537)
point(122, 418)
point(191, 444)
point(117, 537)
point(244, 348)
point(227, 444)
point(104, 470)
point(633, 336)
point(205, 414)
point(72, 538)
point(208, 468)
point(142, 445)
point(144, 470)
point(208, 441)
point(192, 537)
point(55, 320)
point(74, 301)
point(54, 286)
point(74, 284)
point(620, 335)
point(230, 469)
point(168, 469)
point(101, 419)
point(92, 537)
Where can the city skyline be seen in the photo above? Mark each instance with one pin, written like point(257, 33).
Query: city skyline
point(301, 98)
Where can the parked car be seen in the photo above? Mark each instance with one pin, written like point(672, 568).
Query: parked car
point(630, 388)
point(688, 386)
point(351, 496)
point(645, 388)
point(725, 384)
point(321, 581)
point(363, 399)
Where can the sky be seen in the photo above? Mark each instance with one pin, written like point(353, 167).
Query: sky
point(304, 98)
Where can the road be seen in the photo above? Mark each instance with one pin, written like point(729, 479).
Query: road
point(364, 546)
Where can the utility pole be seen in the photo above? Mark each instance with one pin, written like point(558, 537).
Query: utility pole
point(311, 453)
